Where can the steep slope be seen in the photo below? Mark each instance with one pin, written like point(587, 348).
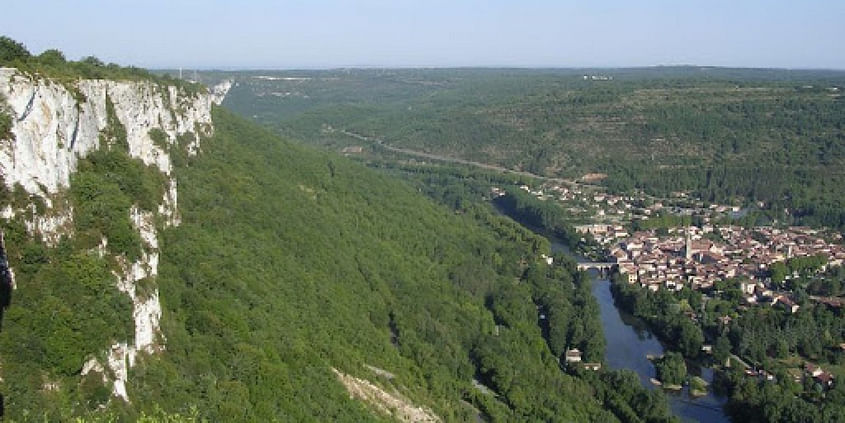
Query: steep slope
point(87, 186)
point(288, 284)
point(290, 263)
point(56, 124)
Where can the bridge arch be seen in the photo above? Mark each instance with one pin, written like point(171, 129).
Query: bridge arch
point(603, 268)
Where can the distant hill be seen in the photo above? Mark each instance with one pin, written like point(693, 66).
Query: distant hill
point(728, 134)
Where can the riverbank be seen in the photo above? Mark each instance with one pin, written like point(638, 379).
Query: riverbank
point(629, 341)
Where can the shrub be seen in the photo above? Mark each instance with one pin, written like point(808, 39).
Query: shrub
point(114, 134)
point(159, 138)
point(5, 125)
point(5, 120)
point(11, 50)
point(52, 57)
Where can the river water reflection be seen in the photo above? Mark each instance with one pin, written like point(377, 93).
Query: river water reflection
point(629, 342)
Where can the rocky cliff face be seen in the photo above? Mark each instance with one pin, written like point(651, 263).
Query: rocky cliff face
point(54, 125)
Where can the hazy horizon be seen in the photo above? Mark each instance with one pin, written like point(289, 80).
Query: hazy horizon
point(490, 67)
point(330, 34)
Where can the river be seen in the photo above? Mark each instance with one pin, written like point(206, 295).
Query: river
point(628, 342)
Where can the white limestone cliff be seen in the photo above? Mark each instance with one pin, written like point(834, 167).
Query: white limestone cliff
point(52, 130)
point(55, 125)
point(219, 91)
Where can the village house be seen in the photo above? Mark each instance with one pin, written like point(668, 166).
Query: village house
point(786, 303)
point(813, 370)
point(748, 287)
point(573, 356)
point(825, 379)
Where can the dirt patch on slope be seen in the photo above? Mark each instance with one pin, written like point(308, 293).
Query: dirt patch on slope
point(390, 404)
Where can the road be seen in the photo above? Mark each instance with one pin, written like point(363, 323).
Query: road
point(430, 156)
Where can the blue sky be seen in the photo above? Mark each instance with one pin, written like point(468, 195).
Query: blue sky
point(525, 33)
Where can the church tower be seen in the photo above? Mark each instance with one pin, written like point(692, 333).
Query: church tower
point(688, 247)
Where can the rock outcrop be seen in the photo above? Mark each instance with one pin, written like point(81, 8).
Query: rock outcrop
point(54, 126)
point(219, 91)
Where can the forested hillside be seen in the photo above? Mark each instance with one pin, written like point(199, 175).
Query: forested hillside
point(290, 262)
point(726, 134)
point(289, 265)
point(276, 283)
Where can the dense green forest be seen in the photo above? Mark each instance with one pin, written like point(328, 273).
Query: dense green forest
point(774, 136)
point(549, 217)
point(291, 262)
point(663, 311)
point(767, 337)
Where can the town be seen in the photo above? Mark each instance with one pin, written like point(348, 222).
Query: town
point(682, 243)
point(687, 252)
point(691, 257)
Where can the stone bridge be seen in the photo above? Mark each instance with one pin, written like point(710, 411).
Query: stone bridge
point(603, 268)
